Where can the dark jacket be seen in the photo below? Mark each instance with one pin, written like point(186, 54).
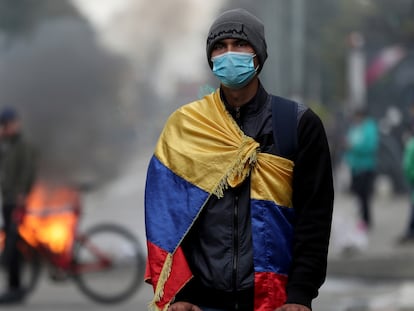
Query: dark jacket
point(17, 168)
point(226, 275)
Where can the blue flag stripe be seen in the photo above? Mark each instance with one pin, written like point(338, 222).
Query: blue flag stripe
point(272, 239)
point(171, 205)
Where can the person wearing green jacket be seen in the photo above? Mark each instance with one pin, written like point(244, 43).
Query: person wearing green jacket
point(17, 175)
point(362, 142)
point(408, 170)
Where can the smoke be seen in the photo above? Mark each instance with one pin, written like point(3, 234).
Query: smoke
point(69, 91)
point(165, 40)
point(166, 51)
point(86, 90)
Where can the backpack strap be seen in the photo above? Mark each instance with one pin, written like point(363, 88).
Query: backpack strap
point(284, 121)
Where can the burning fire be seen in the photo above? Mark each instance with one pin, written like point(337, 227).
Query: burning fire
point(51, 217)
point(2, 239)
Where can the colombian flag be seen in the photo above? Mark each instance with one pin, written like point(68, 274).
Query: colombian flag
point(201, 152)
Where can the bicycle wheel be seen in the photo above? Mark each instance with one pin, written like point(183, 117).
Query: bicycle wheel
point(29, 270)
point(109, 263)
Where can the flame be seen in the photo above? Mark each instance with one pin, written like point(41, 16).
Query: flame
point(51, 217)
point(2, 239)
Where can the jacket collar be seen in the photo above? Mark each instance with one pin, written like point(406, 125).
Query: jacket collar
point(252, 107)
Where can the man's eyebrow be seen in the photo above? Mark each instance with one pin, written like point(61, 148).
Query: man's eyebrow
point(235, 40)
point(238, 41)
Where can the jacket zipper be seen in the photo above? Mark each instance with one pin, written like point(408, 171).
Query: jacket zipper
point(236, 233)
point(235, 248)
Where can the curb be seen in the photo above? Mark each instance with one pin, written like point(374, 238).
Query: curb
point(390, 267)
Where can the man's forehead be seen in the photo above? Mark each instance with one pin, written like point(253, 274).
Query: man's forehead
point(231, 40)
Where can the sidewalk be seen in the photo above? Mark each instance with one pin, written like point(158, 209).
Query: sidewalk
point(378, 256)
point(378, 275)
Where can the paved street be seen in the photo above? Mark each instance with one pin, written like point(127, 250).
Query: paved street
point(369, 272)
point(353, 294)
point(50, 296)
point(378, 277)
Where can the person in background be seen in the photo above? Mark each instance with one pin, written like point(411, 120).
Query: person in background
point(232, 223)
point(17, 175)
point(408, 170)
point(361, 149)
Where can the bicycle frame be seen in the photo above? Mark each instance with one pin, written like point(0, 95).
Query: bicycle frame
point(102, 261)
point(64, 261)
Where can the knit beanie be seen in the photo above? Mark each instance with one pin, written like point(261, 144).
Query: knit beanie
point(238, 24)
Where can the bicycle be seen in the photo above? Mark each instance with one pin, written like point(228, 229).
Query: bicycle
point(106, 261)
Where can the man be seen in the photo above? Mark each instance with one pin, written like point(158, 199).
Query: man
point(232, 225)
point(17, 176)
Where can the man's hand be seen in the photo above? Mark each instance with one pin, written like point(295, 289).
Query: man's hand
point(183, 306)
point(292, 307)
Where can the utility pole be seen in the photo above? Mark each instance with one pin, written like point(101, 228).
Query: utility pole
point(272, 12)
point(356, 72)
point(298, 48)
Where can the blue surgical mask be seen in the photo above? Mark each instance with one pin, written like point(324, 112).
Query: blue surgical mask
point(234, 69)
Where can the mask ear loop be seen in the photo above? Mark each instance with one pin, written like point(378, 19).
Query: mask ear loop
point(258, 65)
